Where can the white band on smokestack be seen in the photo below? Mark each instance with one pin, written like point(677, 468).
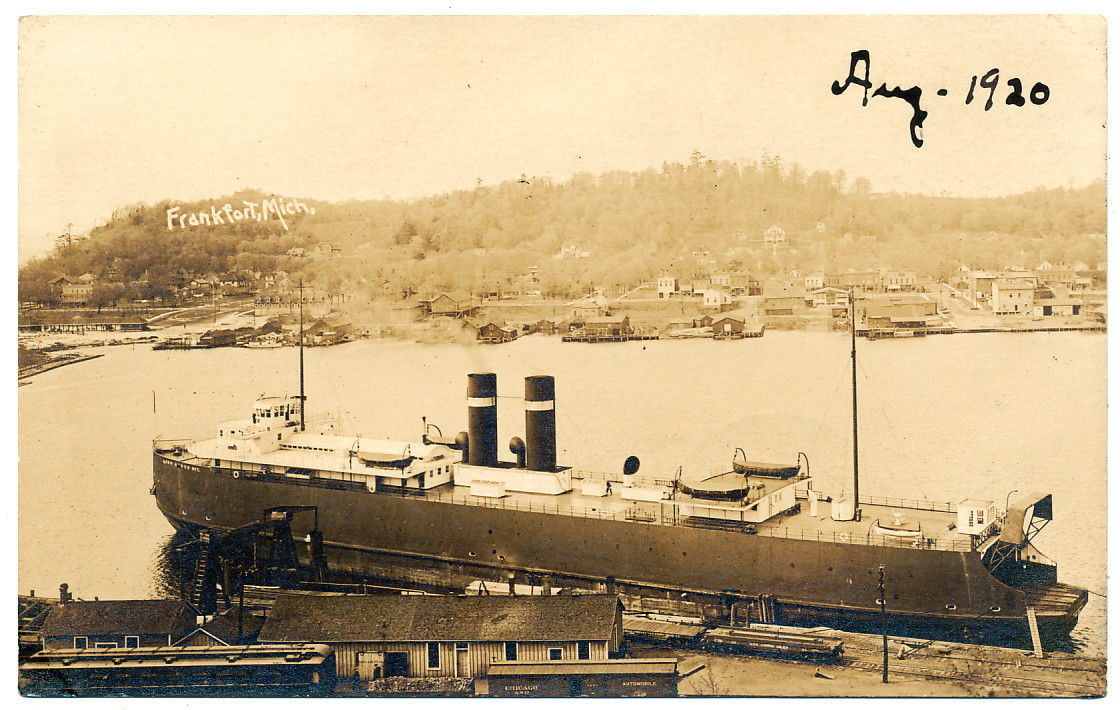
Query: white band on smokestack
point(481, 401)
point(540, 406)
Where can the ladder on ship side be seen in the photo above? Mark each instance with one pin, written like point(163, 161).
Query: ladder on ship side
point(1036, 640)
point(202, 592)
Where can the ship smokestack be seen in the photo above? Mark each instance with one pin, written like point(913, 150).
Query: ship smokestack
point(540, 423)
point(482, 419)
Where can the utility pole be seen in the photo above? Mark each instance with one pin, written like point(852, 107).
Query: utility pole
point(855, 425)
point(883, 616)
point(302, 423)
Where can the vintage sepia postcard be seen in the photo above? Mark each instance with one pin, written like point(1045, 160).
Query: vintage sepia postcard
point(562, 356)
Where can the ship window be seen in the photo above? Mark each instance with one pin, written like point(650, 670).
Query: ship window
point(555, 654)
point(583, 650)
point(81, 642)
point(433, 654)
point(131, 641)
point(511, 651)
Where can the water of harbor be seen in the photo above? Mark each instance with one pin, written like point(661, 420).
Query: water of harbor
point(942, 418)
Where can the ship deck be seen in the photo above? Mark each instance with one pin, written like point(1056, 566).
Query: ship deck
point(934, 520)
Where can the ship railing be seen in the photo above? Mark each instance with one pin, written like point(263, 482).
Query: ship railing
point(867, 538)
point(647, 515)
point(910, 503)
point(618, 478)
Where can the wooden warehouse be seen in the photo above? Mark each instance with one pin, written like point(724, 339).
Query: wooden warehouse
point(445, 636)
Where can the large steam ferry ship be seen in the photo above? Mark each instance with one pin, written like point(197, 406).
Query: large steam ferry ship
point(758, 536)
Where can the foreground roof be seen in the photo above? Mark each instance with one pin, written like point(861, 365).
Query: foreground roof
point(116, 617)
point(589, 617)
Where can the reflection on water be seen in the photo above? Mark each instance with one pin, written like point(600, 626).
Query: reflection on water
point(941, 418)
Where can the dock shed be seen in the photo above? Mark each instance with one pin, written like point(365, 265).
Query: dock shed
point(447, 636)
point(623, 677)
point(115, 624)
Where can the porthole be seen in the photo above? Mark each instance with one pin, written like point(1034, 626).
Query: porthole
point(878, 602)
point(951, 607)
point(994, 609)
point(470, 554)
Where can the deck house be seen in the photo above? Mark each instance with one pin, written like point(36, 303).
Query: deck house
point(374, 636)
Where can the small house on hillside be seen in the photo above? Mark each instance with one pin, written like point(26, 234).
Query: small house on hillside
point(447, 636)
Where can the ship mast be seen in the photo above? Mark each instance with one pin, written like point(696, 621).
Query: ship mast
point(302, 426)
point(855, 427)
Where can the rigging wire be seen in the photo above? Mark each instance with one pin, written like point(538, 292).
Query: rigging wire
point(883, 412)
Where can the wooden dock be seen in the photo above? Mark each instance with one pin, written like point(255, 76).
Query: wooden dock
point(62, 361)
point(880, 333)
point(591, 338)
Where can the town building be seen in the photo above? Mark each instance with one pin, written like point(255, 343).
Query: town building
point(859, 281)
point(666, 286)
point(73, 291)
point(896, 281)
point(496, 333)
point(783, 300)
point(814, 281)
point(1057, 307)
point(828, 297)
point(453, 305)
point(1012, 296)
point(374, 636)
point(607, 326)
point(715, 298)
point(730, 325)
point(981, 285)
point(894, 311)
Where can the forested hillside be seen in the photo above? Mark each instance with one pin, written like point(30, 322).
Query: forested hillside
point(631, 224)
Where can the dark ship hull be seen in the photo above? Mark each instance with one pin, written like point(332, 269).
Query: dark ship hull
point(446, 545)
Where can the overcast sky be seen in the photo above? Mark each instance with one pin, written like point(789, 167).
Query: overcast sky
point(114, 111)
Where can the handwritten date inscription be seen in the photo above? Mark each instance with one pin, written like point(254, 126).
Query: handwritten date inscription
point(859, 73)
